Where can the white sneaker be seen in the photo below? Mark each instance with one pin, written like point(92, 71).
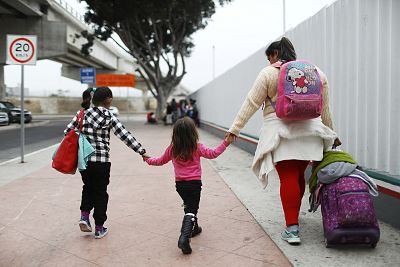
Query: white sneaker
point(291, 237)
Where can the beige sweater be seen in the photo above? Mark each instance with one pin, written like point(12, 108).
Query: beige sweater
point(266, 85)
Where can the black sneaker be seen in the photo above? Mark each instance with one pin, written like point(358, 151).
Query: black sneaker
point(100, 233)
point(84, 224)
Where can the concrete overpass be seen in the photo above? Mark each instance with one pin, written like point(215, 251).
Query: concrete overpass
point(58, 28)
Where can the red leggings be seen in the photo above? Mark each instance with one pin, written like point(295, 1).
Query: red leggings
point(291, 175)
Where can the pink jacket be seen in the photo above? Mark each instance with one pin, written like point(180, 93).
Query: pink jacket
point(191, 169)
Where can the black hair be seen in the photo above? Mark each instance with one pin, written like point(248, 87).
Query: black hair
point(284, 48)
point(101, 94)
point(86, 98)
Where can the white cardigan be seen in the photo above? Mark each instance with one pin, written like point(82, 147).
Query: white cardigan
point(279, 140)
point(285, 140)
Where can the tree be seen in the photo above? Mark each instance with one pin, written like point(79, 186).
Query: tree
point(157, 34)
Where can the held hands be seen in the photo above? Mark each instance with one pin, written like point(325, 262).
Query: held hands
point(230, 137)
point(145, 157)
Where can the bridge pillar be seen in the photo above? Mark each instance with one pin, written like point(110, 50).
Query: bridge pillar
point(51, 39)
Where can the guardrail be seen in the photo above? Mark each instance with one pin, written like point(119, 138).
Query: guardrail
point(67, 7)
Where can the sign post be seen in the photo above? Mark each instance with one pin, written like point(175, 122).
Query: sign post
point(22, 50)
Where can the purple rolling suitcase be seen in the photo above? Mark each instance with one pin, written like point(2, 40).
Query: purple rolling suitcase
point(348, 213)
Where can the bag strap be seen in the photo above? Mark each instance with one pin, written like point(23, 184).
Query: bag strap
point(277, 65)
point(80, 118)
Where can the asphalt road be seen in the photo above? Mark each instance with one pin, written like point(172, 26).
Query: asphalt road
point(36, 137)
point(47, 132)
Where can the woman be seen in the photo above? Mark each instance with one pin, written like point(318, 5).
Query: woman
point(284, 147)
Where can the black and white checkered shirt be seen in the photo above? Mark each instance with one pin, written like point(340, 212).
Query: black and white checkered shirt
point(97, 123)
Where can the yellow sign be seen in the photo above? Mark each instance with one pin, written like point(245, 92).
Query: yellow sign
point(127, 80)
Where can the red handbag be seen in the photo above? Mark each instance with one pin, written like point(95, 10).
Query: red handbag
point(66, 158)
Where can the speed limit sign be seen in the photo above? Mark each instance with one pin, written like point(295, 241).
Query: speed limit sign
point(21, 49)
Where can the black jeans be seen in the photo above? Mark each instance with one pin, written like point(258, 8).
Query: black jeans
point(190, 194)
point(95, 179)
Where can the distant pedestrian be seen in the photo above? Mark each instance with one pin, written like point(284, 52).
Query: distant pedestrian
point(174, 110)
point(182, 107)
point(195, 112)
point(185, 153)
point(97, 123)
point(151, 118)
point(168, 116)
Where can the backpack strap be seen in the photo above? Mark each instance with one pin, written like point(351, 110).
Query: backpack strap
point(277, 65)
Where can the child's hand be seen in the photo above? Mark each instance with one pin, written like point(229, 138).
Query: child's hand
point(145, 157)
point(230, 137)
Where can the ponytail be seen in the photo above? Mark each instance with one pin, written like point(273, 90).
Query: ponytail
point(284, 48)
point(86, 98)
point(287, 52)
point(86, 103)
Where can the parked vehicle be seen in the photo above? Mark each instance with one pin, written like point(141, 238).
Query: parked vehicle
point(4, 118)
point(114, 110)
point(14, 113)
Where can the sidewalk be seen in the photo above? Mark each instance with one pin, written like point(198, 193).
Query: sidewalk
point(265, 206)
point(39, 210)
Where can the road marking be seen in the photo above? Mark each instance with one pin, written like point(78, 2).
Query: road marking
point(30, 154)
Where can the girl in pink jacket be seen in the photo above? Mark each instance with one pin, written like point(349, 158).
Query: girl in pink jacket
point(185, 153)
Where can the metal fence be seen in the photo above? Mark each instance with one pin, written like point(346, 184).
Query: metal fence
point(356, 43)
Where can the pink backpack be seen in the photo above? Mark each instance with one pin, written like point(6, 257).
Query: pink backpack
point(299, 91)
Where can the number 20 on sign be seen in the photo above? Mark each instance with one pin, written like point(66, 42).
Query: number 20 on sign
point(21, 49)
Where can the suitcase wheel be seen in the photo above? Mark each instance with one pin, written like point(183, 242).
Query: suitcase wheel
point(327, 245)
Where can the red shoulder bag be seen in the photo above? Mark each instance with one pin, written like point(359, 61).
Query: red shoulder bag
point(66, 157)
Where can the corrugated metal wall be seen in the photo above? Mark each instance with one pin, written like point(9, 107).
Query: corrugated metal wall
point(357, 44)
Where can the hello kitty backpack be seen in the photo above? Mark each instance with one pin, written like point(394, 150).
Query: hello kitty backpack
point(299, 95)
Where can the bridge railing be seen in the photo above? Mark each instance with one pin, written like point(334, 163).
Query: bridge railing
point(71, 10)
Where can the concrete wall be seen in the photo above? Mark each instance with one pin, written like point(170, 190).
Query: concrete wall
point(68, 105)
point(355, 42)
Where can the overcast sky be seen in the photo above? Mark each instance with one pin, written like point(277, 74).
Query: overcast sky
point(237, 30)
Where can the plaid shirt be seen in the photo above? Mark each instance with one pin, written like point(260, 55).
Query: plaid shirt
point(97, 123)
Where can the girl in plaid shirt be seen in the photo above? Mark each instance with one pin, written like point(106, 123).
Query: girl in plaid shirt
point(185, 153)
point(97, 123)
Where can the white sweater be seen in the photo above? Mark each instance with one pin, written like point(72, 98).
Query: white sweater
point(283, 140)
point(266, 85)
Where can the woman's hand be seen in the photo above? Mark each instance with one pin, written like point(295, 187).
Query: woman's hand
point(337, 142)
point(230, 137)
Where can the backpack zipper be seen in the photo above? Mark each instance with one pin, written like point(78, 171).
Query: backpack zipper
point(354, 193)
